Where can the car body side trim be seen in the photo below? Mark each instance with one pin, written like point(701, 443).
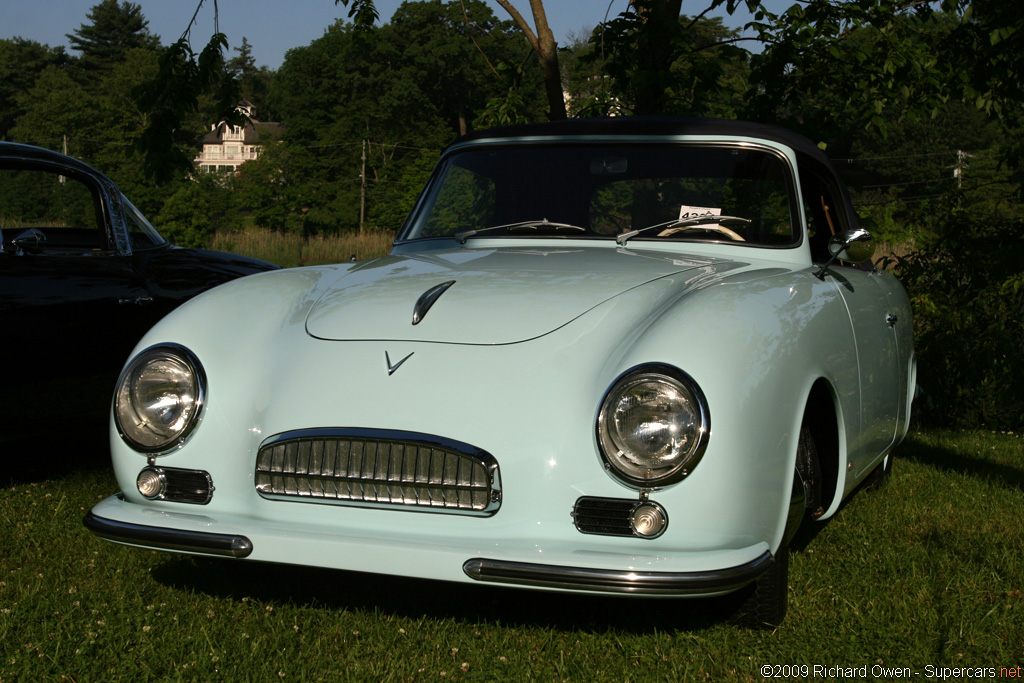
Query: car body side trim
point(619, 581)
point(204, 543)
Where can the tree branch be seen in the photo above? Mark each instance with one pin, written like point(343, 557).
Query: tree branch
point(465, 17)
point(521, 23)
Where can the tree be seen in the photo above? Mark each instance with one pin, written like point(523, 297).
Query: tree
point(368, 108)
point(253, 81)
point(704, 73)
point(114, 29)
point(908, 57)
point(21, 62)
point(195, 211)
point(55, 109)
point(543, 43)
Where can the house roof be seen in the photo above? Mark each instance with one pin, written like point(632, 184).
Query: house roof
point(255, 132)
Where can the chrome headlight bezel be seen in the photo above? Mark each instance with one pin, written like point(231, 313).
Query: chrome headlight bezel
point(135, 423)
point(678, 387)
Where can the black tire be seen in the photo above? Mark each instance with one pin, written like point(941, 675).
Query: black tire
point(765, 600)
point(809, 466)
point(879, 477)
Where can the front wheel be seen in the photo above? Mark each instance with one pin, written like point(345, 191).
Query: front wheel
point(879, 477)
point(765, 602)
point(764, 605)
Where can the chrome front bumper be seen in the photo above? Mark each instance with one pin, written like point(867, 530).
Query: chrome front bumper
point(619, 581)
point(504, 572)
point(202, 542)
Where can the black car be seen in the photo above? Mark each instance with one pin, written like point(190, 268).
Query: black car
point(83, 275)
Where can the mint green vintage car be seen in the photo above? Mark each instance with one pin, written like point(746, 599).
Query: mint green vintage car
point(617, 356)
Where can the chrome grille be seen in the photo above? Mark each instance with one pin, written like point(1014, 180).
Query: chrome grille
point(378, 468)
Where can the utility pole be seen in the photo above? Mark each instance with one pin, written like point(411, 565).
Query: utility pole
point(961, 163)
point(362, 191)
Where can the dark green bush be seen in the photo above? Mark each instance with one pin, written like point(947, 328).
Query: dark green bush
point(966, 285)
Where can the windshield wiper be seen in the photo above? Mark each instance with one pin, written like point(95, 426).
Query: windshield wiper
point(543, 226)
point(677, 223)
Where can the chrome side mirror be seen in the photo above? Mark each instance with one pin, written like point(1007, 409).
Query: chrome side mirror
point(32, 241)
point(853, 246)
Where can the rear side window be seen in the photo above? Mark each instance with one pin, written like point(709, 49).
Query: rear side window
point(61, 213)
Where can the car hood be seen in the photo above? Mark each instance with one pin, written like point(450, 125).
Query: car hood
point(498, 296)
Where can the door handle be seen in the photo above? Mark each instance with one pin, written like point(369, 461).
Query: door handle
point(139, 300)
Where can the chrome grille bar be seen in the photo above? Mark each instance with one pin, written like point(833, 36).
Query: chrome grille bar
point(380, 468)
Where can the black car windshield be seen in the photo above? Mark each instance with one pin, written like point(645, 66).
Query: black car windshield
point(737, 194)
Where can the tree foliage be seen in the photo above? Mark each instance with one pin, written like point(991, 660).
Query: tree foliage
point(114, 28)
point(696, 71)
point(21, 63)
point(368, 108)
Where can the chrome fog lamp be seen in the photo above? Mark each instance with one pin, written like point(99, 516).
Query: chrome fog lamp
point(648, 520)
point(151, 482)
point(159, 398)
point(653, 426)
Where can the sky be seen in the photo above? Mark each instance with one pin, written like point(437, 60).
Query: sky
point(274, 26)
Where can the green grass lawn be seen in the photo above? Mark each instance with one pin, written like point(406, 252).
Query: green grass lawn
point(928, 572)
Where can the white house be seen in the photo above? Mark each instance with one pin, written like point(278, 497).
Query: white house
point(227, 147)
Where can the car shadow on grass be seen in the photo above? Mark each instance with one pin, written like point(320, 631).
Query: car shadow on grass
point(946, 460)
point(316, 588)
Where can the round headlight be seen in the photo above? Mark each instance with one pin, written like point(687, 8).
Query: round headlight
point(159, 398)
point(653, 426)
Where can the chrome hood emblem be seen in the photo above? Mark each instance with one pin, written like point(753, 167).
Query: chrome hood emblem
point(392, 368)
point(427, 300)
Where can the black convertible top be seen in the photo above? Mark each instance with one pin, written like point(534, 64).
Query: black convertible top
point(653, 126)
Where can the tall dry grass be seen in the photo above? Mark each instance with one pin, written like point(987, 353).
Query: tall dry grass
point(290, 250)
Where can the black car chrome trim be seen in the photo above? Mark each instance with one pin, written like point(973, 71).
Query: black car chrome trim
point(201, 542)
point(427, 299)
point(618, 580)
point(326, 467)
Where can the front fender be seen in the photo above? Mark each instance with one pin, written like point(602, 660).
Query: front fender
point(756, 343)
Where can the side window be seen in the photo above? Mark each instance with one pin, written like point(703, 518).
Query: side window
point(46, 212)
point(823, 208)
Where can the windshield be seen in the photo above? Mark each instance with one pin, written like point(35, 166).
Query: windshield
point(626, 191)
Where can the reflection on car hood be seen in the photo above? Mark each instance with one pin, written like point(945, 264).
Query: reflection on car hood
point(499, 296)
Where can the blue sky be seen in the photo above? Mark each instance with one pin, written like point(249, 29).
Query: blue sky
point(274, 26)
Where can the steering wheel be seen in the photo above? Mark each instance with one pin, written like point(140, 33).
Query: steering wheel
point(731, 234)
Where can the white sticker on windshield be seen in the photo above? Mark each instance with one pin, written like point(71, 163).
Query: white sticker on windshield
point(686, 212)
